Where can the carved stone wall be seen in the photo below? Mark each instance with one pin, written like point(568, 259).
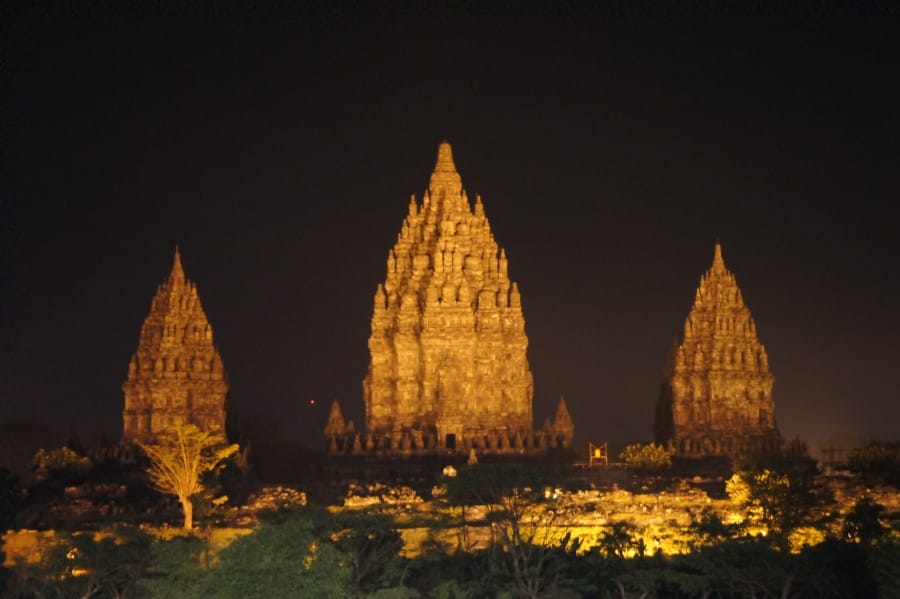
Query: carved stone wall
point(342, 439)
point(176, 375)
point(716, 396)
point(448, 366)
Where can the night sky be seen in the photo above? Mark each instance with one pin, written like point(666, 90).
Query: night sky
point(611, 152)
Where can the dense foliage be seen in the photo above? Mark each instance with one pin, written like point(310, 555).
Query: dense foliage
point(60, 463)
point(878, 463)
point(646, 458)
point(317, 553)
point(782, 492)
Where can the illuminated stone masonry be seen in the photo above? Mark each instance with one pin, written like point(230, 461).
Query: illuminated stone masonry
point(716, 397)
point(176, 374)
point(448, 369)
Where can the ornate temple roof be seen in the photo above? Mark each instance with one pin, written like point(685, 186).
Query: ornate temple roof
point(719, 325)
point(176, 373)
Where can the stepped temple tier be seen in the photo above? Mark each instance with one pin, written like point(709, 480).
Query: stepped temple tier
point(448, 370)
point(716, 397)
point(176, 374)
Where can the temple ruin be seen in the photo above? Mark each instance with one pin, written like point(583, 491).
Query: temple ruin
point(448, 369)
point(176, 375)
point(716, 396)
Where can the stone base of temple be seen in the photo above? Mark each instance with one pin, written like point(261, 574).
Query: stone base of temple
point(420, 443)
point(714, 444)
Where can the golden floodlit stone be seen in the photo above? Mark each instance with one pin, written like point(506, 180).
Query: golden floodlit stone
point(176, 374)
point(448, 368)
point(716, 398)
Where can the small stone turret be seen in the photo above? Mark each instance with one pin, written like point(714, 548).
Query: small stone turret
point(563, 427)
point(336, 423)
point(176, 375)
point(716, 396)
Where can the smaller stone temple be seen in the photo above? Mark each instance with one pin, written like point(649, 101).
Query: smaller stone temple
point(176, 375)
point(716, 396)
point(561, 424)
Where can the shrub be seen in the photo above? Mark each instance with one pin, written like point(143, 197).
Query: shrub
point(646, 458)
point(62, 462)
point(877, 462)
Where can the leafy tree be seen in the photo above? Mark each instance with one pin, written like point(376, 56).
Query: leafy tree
point(179, 564)
point(743, 567)
point(291, 558)
point(835, 565)
point(179, 459)
point(711, 529)
point(781, 491)
point(647, 458)
point(862, 524)
point(372, 544)
point(521, 516)
point(618, 541)
point(884, 563)
point(443, 574)
point(878, 463)
point(104, 564)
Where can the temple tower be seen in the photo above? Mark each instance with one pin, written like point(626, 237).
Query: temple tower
point(448, 366)
point(716, 396)
point(176, 374)
point(562, 426)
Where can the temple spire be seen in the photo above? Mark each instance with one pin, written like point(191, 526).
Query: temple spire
point(445, 178)
point(177, 274)
point(718, 262)
point(336, 424)
point(562, 422)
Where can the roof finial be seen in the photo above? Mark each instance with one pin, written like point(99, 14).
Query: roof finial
point(177, 273)
point(445, 158)
point(717, 256)
point(445, 178)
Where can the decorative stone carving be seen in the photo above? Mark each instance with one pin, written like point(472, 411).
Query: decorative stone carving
point(448, 344)
point(716, 396)
point(176, 375)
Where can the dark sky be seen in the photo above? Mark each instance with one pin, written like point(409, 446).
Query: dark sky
point(611, 152)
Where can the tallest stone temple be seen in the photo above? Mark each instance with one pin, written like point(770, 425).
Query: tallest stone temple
point(448, 368)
